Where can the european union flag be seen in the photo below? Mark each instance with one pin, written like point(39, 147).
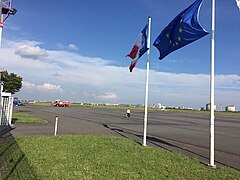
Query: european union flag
point(182, 30)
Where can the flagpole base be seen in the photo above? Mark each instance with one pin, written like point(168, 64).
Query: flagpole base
point(212, 166)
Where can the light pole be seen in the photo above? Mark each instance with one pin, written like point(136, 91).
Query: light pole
point(5, 11)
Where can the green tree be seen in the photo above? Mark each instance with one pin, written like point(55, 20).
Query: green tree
point(12, 83)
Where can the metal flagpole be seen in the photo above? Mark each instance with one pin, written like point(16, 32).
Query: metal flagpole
point(211, 152)
point(147, 80)
point(5, 11)
point(1, 22)
point(0, 71)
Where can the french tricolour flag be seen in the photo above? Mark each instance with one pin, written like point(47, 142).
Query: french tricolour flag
point(139, 48)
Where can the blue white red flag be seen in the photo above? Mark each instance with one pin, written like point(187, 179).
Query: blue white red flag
point(139, 48)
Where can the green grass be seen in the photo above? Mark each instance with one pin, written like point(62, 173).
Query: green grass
point(41, 104)
point(13, 161)
point(99, 157)
point(21, 117)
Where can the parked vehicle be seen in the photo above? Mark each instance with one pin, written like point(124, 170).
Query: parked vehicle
point(59, 103)
point(17, 102)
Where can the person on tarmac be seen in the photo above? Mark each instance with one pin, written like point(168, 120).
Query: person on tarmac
point(128, 112)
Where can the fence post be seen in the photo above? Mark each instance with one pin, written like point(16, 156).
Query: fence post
point(10, 110)
point(56, 126)
point(1, 101)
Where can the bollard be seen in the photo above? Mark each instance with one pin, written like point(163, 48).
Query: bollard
point(56, 126)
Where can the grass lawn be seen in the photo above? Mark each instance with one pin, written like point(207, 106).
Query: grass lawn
point(98, 157)
point(21, 117)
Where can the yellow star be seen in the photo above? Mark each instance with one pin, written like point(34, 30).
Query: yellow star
point(176, 43)
point(180, 30)
point(167, 35)
point(181, 20)
point(179, 38)
point(170, 42)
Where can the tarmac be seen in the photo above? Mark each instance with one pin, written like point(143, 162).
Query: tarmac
point(185, 133)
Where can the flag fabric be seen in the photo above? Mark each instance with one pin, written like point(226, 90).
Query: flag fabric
point(238, 3)
point(182, 30)
point(139, 48)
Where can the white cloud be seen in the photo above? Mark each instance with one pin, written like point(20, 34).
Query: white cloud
point(67, 47)
point(60, 45)
point(45, 87)
point(28, 85)
point(223, 81)
point(72, 47)
point(49, 87)
point(29, 51)
point(106, 96)
point(95, 79)
point(16, 44)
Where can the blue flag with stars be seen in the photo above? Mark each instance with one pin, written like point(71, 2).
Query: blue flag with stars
point(182, 30)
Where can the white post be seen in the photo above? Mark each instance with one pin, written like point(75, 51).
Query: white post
point(56, 126)
point(1, 28)
point(1, 101)
point(211, 152)
point(10, 110)
point(147, 80)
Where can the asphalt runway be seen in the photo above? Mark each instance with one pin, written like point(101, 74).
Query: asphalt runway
point(181, 132)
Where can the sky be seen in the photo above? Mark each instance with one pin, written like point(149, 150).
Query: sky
point(76, 51)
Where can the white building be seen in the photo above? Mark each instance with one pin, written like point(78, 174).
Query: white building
point(208, 107)
point(230, 108)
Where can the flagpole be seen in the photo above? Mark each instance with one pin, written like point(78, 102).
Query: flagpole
point(1, 22)
point(147, 80)
point(211, 151)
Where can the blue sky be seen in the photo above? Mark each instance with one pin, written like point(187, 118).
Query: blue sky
point(78, 49)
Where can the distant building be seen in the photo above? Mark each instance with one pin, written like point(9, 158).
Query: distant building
point(208, 107)
point(161, 107)
point(230, 108)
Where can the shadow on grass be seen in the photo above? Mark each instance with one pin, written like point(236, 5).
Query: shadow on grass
point(13, 162)
point(14, 120)
point(164, 145)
